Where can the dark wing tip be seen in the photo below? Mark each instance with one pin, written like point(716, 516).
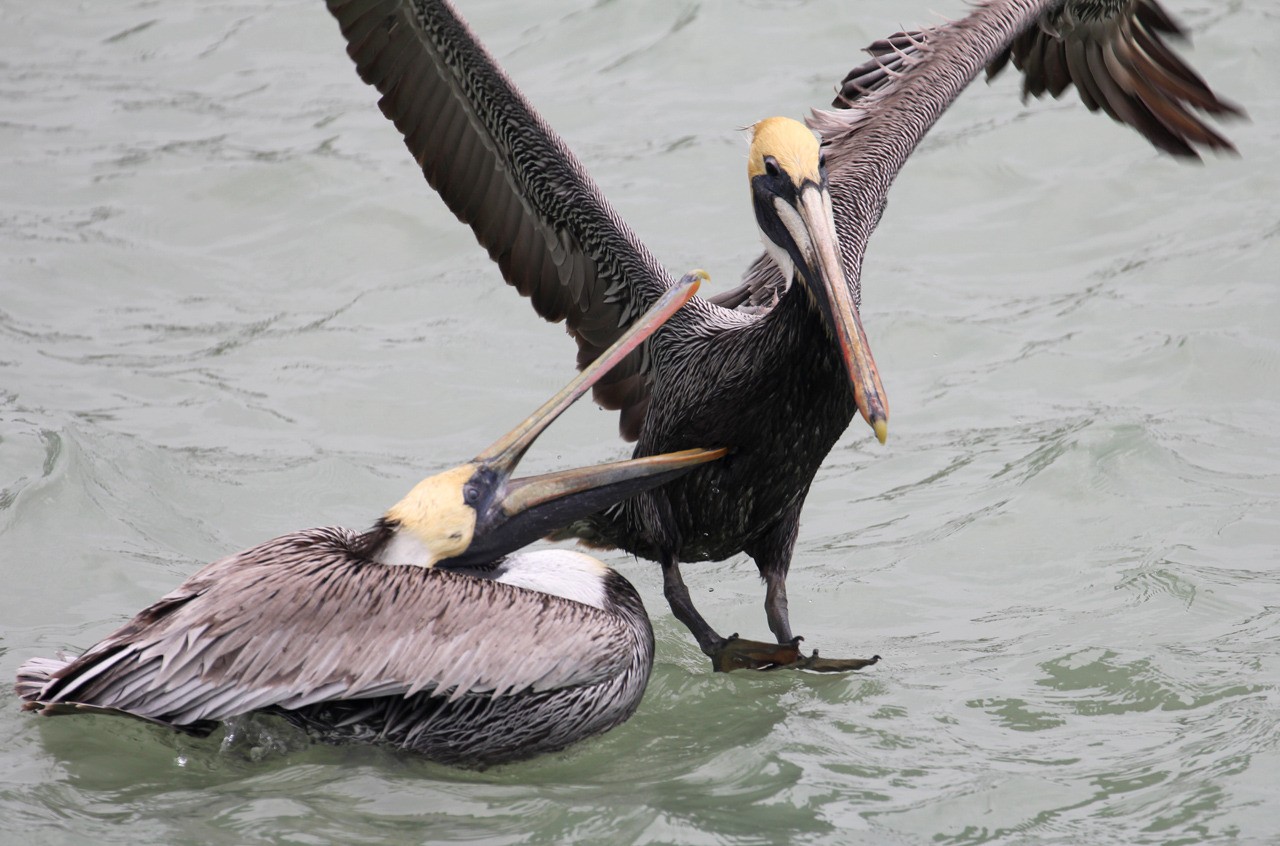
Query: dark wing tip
point(1120, 63)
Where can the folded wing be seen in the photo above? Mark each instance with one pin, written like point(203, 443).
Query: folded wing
point(294, 622)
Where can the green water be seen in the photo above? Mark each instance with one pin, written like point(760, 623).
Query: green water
point(230, 307)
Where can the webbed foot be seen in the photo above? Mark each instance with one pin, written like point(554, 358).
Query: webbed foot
point(816, 664)
point(735, 653)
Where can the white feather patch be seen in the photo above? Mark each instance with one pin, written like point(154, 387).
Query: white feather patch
point(559, 572)
point(406, 549)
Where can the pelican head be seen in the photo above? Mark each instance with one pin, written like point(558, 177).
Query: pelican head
point(788, 178)
point(472, 515)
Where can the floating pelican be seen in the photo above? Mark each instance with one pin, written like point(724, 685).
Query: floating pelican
point(421, 633)
point(777, 367)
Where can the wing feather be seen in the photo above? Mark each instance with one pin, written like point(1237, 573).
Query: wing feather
point(1119, 62)
point(1077, 42)
point(298, 620)
point(502, 170)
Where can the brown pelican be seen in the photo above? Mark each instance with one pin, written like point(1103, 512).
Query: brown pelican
point(421, 633)
point(777, 367)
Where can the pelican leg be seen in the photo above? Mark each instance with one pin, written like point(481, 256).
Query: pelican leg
point(731, 653)
point(772, 555)
point(677, 594)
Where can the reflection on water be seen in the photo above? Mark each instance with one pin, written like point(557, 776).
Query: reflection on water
point(230, 308)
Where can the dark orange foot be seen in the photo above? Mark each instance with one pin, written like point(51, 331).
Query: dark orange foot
point(830, 665)
point(736, 653)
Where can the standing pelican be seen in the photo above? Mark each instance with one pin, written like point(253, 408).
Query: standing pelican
point(777, 368)
point(422, 633)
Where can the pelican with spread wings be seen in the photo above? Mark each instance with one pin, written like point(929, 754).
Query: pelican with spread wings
point(778, 367)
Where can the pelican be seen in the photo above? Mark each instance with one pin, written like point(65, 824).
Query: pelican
point(422, 633)
point(776, 368)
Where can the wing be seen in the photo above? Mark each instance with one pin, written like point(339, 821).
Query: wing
point(502, 170)
point(1120, 63)
point(1113, 52)
point(299, 620)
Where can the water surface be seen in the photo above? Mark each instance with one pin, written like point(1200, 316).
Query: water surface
point(230, 307)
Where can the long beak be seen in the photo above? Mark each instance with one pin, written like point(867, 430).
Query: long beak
point(532, 508)
point(813, 229)
point(516, 512)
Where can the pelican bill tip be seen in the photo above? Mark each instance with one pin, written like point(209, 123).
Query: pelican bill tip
point(696, 276)
point(881, 428)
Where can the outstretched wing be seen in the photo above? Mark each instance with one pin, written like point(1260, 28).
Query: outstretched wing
point(296, 621)
point(1119, 62)
point(1112, 51)
point(1114, 54)
point(503, 171)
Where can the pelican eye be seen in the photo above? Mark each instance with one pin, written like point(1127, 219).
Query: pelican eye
point(771, 166)
point(471, 495)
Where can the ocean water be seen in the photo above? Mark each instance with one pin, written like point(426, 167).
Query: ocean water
point(230, 307)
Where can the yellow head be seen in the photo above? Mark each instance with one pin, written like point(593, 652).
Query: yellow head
point(435, 520)
point(787, 146)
